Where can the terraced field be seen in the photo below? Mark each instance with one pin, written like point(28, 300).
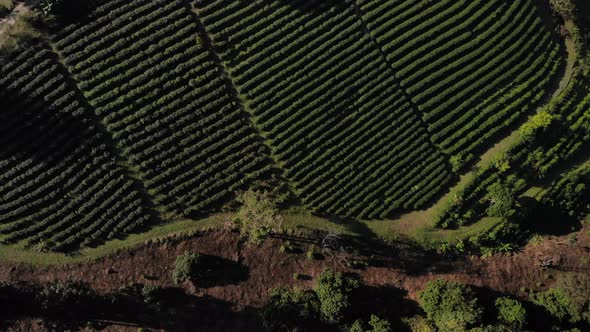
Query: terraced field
point(471, 67)
point(151, 109)
point(61, 184)
point(164, 101)
point(348, 138)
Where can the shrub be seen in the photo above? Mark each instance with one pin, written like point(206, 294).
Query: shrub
point(377, 325)
point(313, 253)
point(291, 310)
point(334, 291)
point(258, 216)
point(501, 201)
point(559, 303)
point(449, 305)
point(151, 293)
point(186, 267)
point(61, 296)
point(418, 324)
point(565, 8)
point(6, 7)
point(511, 312)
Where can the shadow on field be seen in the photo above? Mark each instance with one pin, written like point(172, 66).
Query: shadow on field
point(548, 220)
point(175, 310)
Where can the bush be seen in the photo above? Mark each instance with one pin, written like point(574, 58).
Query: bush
point(377, 325)
point(334, 291)
point(417, 324)
point(511, 312)
point(501, 201)
point(186, 267)
point(313, 253)
point(449, 305)
point(258, 216)
point(151, 293)
point(559, 303)
point(291, 310)
point(6, 7)
point(62, 296)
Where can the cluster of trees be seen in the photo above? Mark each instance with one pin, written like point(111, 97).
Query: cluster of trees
point(297, 78)
point(329, 304)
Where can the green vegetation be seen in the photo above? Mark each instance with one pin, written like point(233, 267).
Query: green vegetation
point(559, 304)
point(186, 268)
point(257, 216)
point(334, 291)
point(450, 306)
point(61, 296)
point(6, 7)
point(511, 313)
point(291, 310)
point(377, 325)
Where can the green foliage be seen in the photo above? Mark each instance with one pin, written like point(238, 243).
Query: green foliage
point(376, 325)
point(565, 8)
point(186, 267)
point(21, 34)
point(6, 7)
point(418, 324)
point(61, 296)
point(559, 303)
point(570, 193)
point(449, 305)
point(291, 310)
point(457, 162)
point(258, 216)
point(501, 200)
point(151, 293)
point(539, 122)
point(334, 291)
point(379, 325)
point(577, 286)
point(511, 312)
point(313, 253)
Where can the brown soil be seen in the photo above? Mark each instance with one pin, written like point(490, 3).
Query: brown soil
point(250, 271)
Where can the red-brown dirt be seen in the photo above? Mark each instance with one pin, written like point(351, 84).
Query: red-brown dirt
point(251, 271)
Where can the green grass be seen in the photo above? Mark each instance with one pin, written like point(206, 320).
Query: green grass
point(19, 254)
point(295, 224)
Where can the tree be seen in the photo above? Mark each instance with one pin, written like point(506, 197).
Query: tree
point(501, 201)
point(511, 312)
point(377, 325)
point(565, 8)
point(449, 305)
point(291, 310)
point(61, 296)
point(186, 267)
point(334, 291)
point(6, 7)
point(558, 302)
point(540, 121)
point(258, 216)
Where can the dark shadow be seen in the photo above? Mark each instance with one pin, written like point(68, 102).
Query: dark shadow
point(387, 302)
point(364, 248)
point(547, 220)
point(73, 11)
point(175, 311)
point(48, 131)
point(219, 271)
